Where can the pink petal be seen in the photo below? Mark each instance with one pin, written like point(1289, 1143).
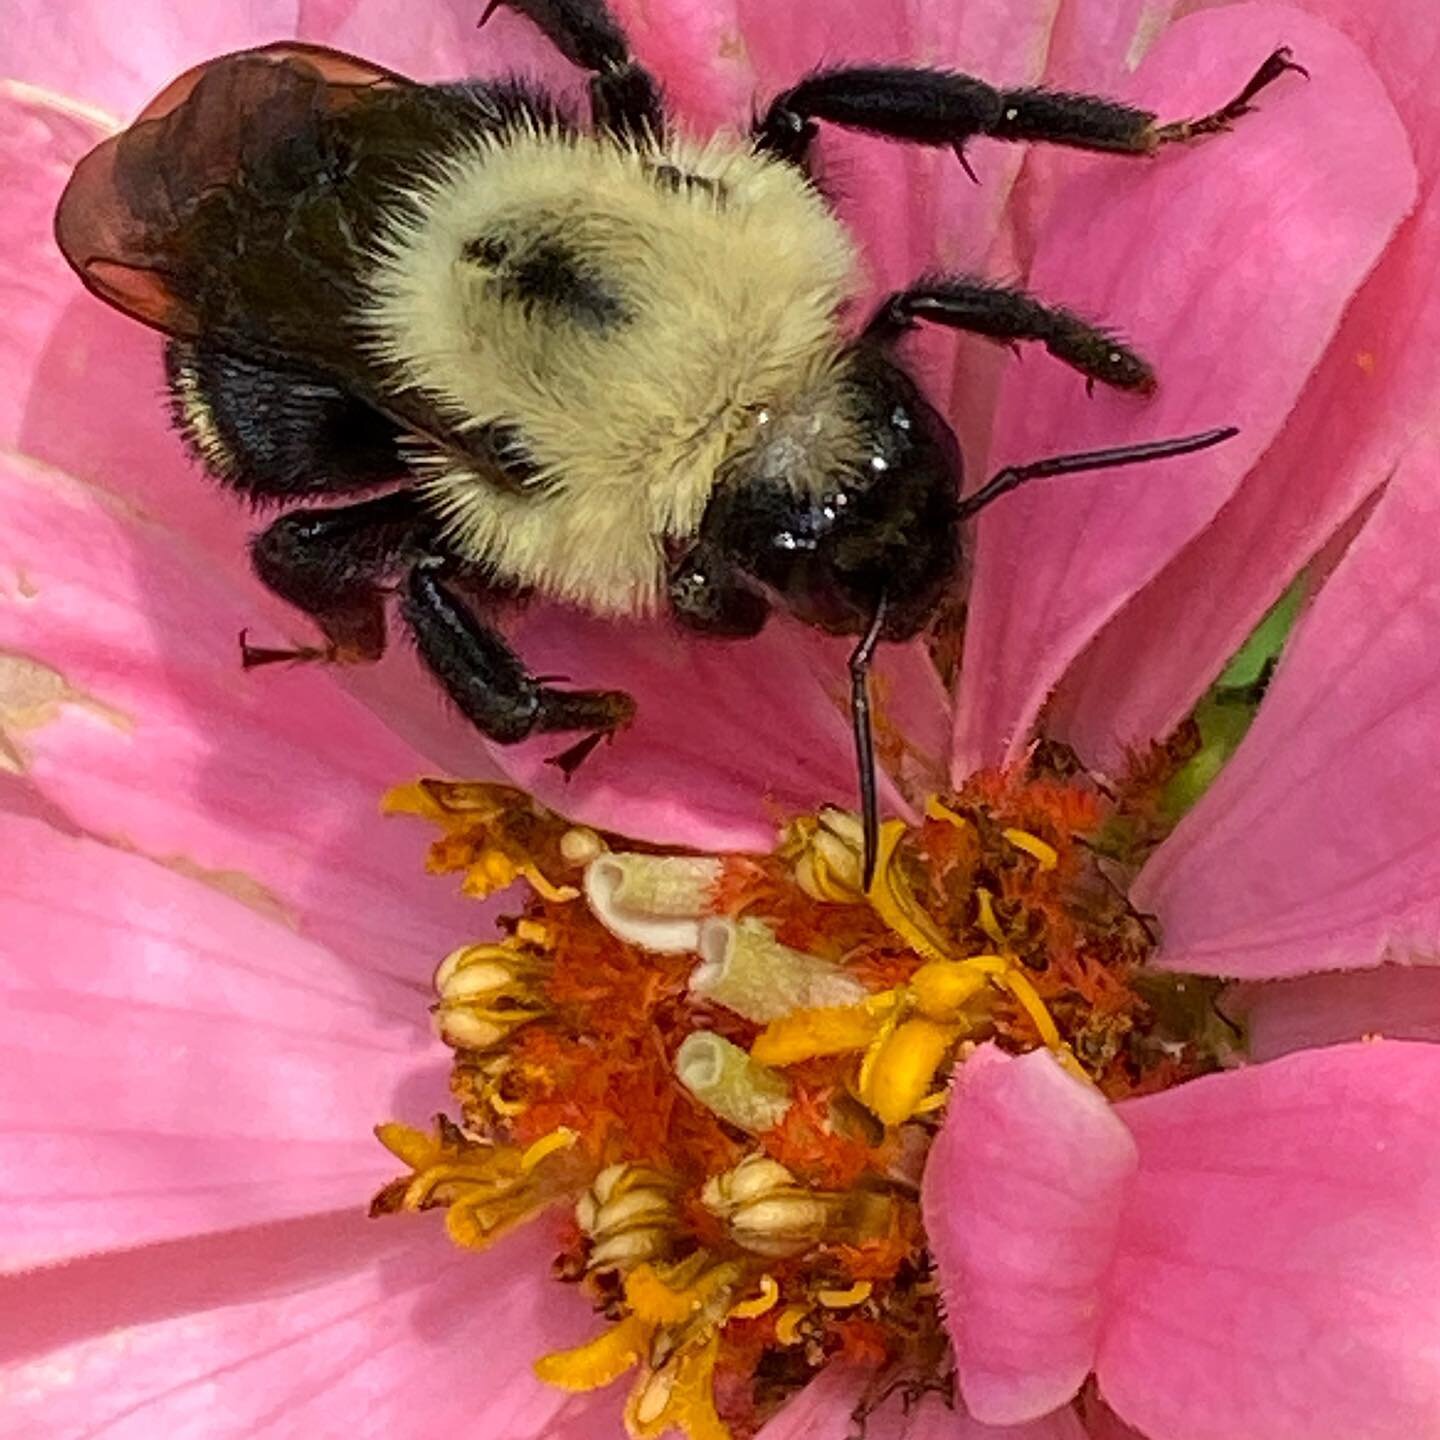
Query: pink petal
point(1316, 848)
point(825, 1408)
point(333, 1326)
point(729, 737)
point(39, 143)
point(83, 386)
point(1151, 248)
point(1022, 1196)
point(177, 1063)
point(1376, 383)
point(123, 696)
point(1280, 1016)
point(432, 41)
point(78, 50)
point(1279, 1265)
point(1101, 1422)
point(696, 51)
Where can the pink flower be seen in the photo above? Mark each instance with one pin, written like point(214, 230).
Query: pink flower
point(212, 950)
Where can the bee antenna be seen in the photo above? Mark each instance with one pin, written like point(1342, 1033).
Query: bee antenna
point(860, 660)
point(1013, 476)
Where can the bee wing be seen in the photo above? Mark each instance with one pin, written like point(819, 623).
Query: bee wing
point(121, 222)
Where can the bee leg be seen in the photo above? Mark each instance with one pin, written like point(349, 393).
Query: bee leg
point(944, 107)
point(1000, 312)
point(624, 97)
point(333, 565)
point(488, 681)
point(709, 594)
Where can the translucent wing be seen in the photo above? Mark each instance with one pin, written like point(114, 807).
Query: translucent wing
point(134, 217)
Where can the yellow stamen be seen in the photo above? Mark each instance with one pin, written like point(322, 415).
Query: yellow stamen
point(761, 1304)
point(1045, 855)
point(561, 1138)
point(598, 1362)
point(1065, 1058)
point(825, 882)
point(787, 1326)
point(875, 1049)
point(485, 1190)
point(1033, 1005)
point(558, 894)
point(857, 1294)
point(830, 1030)
point(942, 988)
point(679, 1396)
point(536, 933)
point(903, 1068)
point(985, 917)
point(732, 1084)
point(825, 850)
point(936, 809)
point(410, 1146)
point(896, 905)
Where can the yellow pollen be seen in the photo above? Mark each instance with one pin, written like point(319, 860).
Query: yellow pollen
point(1046, 856)
point(561, 1138)
point(787, 1325)
point(894, 903)
point(661, 1298)
point(985, 916)
point(598, 1362)
point(857, 1294)
point(761, 1304)
point(943, 987)
point(830, 1030)
point(901, 1067)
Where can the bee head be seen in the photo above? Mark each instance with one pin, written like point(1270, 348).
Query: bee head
point(841, 503)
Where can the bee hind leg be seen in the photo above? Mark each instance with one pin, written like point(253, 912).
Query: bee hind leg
point(490, 683)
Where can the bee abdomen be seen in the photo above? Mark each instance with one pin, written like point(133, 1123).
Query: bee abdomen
point(275, 432)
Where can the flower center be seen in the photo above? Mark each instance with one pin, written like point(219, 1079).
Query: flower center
point(729, 1069)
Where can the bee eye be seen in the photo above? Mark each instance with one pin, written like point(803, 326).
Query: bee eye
point(488, 250)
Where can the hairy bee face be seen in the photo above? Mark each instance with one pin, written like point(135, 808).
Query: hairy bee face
point(885, 523)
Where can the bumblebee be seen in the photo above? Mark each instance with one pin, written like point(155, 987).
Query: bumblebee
point(591, 359)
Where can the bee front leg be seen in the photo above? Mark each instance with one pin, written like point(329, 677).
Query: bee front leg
point(489, 682)
point(708, 594)
point(1003, 313)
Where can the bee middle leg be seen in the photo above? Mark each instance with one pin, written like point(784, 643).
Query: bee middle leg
point(334, 564)
point(1009, 315)
point(488, 681)
point(624, 97)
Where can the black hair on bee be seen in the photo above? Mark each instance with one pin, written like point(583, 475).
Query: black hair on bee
point(591, 359)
